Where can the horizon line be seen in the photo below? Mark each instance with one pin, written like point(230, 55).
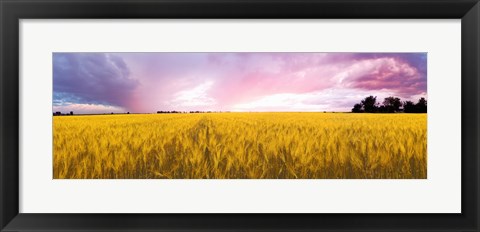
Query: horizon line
point(200, 112)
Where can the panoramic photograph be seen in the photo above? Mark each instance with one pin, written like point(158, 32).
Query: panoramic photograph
point(239, 115)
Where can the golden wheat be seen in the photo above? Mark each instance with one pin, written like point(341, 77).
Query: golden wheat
point(241, 145)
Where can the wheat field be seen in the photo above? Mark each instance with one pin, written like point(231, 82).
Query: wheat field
point(241, 146)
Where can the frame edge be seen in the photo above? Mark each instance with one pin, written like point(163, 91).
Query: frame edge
point(9, 114)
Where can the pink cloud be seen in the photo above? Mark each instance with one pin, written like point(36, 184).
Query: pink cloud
point(386, 73)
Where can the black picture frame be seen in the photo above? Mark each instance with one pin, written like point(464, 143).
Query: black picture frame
point(11, 11)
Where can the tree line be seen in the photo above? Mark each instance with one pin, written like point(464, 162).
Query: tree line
point(390, 105)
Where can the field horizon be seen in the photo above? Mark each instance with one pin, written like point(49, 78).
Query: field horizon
point(226, 112)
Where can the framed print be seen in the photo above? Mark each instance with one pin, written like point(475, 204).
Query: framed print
point(239, 115)
point(225, 103)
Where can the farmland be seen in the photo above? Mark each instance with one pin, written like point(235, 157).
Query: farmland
point(241, 146)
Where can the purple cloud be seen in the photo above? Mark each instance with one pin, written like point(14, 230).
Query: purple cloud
point(91, 78)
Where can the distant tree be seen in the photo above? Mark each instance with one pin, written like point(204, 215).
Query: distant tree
point(421, 106)
point(370, 104)
point(382, 109)
point(408, 107)
point(392, 104)
point(71, 112)
point(128, 112)
point(357, 108)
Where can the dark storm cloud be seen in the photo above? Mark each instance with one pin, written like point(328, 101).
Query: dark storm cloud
point(91, 78)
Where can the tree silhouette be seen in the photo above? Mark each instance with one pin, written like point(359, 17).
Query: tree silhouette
point(370, 104)
point(421, 106)
point(392, 104)
point(357, 108)
point(382, 109)
point(409, 107)
point(389, 105)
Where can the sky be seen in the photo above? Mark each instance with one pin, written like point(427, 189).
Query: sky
point(90, 83)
